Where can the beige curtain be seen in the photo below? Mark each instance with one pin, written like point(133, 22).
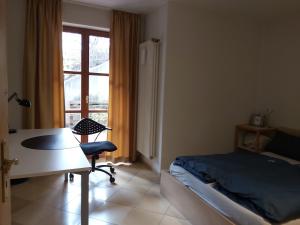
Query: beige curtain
point(124, 34)
point(43, 78)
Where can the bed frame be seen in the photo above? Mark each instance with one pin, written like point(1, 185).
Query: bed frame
point(193, 207)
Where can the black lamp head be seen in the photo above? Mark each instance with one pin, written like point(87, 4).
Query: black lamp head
point(24, 102)
point(21, 102)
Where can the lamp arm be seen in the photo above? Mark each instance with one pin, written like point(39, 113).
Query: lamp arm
point(14, 95)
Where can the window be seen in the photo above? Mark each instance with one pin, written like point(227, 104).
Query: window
point(86, 74)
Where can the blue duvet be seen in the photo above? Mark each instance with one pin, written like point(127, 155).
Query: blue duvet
point(267, 186)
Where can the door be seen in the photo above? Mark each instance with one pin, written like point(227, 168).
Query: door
point(86, 75)
point(5, 214)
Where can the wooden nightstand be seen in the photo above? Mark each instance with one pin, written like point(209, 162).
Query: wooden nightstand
point(244, 129)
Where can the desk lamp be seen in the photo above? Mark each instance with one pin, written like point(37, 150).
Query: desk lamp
point(21, 102)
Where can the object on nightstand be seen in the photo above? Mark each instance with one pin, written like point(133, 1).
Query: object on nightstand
point(252, 138)
point(257, 120)
point(249, 141)
point(261, 119)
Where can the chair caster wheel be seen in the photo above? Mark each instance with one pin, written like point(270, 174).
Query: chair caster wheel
point(71, 177)
point(112, 170)
point(112, 180)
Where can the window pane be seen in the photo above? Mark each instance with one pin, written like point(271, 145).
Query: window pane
point(72, 92)
point(100, 118)
point(71, 51)
point(98, 92)
point(102, 137)
point(72, 118)
point(99, 54)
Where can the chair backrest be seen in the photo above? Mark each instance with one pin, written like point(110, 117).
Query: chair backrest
point(88, 126)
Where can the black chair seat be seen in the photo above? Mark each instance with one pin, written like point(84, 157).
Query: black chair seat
point(98, 147)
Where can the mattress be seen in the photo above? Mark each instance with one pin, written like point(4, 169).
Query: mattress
point(232, 210)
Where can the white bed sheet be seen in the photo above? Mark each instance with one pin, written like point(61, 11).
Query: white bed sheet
point(276, 156)
point(235, 212)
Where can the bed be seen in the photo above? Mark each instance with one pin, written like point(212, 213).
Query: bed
point(202, 204)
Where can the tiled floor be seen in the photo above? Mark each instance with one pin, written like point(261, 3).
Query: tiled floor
point(133, 200)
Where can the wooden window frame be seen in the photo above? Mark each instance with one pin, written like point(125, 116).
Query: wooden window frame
point(85, 33)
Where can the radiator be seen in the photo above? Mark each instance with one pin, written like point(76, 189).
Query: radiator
point(147, 98)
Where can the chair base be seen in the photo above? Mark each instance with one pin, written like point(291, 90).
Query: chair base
point(96, 168)
point(111, 178)
point(112, 169)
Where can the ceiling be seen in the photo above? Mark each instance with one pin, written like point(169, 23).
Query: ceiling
point(249, 6)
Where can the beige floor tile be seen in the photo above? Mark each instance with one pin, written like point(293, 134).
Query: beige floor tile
point(18, 204)
point(98, 179)
point(58, 198)
point(61, 218)
point(149, 175)
point(126, 197)
point(124, 175)
point(33, 214)
point(141, 217)
point(154, 190)
point(97, 222)
point(58, 182)
point(145, 171)
point(29, 191)
point(70, 187)
point(74, 206)
point(102, 193)
point(97, 197)
point(111, 213)
point(121, 181)
point(172, 211)
point(133, 199)
point(132, 170)
point(153, 203)
point(142, 188)
point(106, 183)
point(53, 181)
point(140, 166)
point(142, 180)
point(167, 220)
point(15, 223)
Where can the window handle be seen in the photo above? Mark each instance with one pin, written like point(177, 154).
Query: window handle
point(87, 99)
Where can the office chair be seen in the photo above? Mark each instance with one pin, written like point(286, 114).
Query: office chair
point(88, 126)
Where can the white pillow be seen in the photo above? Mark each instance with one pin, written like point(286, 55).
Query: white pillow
point(290, 161)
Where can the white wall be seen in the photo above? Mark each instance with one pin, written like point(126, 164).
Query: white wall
point(210, 83)
point(72, 14)
point(156, 27)
point(86, 16)
point(279, 77)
